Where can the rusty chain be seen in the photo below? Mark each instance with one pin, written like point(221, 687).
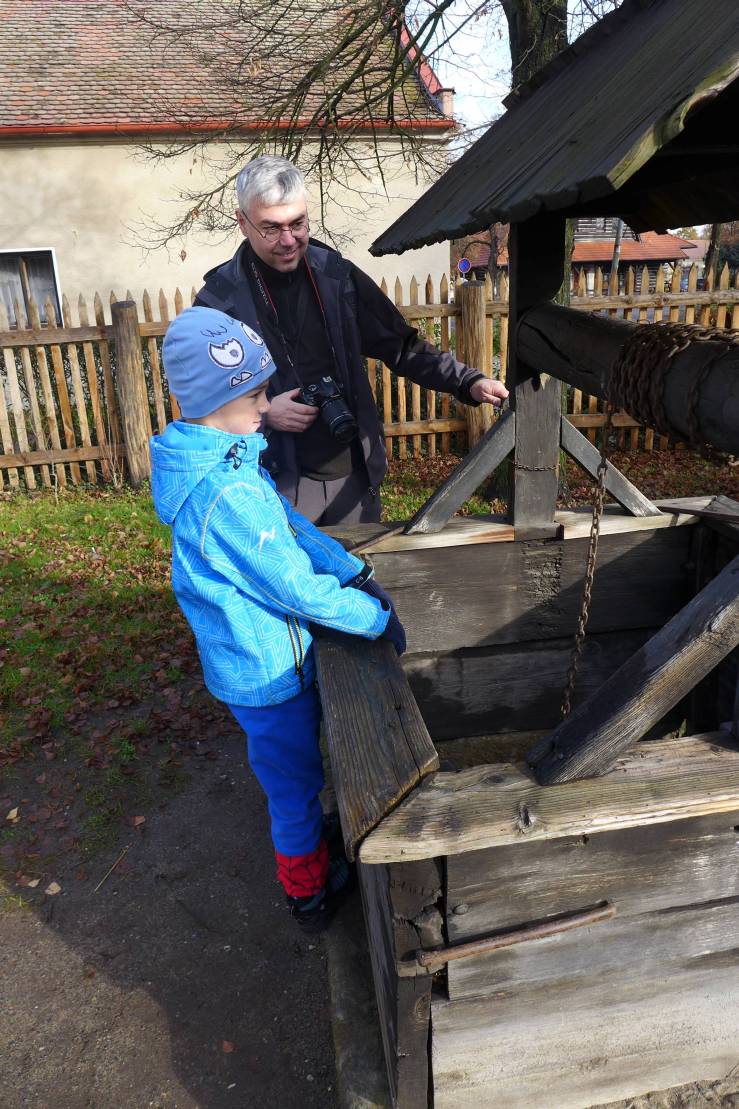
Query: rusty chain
point(637, 384)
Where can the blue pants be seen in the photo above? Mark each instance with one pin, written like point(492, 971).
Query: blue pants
point(282, 745)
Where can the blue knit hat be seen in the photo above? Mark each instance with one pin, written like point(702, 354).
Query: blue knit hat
point(210, 358)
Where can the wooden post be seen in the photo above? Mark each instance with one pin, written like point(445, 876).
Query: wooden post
point(132, 395)
point(470, 296)
point(536, 251)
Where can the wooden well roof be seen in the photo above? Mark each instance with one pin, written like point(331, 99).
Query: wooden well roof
point(637, 118)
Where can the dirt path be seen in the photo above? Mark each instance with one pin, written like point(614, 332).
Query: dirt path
point(181, 984)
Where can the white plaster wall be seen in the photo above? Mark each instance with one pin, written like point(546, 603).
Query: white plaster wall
point(82, 200)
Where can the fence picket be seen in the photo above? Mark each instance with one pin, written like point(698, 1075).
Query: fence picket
point(88, 354)
point(416, 389)
point(399, 383)
point(47, 392)
point(16, 402)
point(156, 370)
point(114, 424)
point(78, 393)
point(62, 392)
point(444, 344)
point(32, 391)
point(428, 332)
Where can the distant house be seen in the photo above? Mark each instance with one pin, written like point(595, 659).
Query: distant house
point(84, 84)
point(593, 249)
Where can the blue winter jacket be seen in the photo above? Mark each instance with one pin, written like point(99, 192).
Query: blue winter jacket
point(248, 571)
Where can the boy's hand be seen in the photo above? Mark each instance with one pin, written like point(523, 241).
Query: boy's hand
point(395, 632)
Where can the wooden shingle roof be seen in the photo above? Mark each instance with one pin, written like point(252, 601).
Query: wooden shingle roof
point(637, 118)
point(91, 67)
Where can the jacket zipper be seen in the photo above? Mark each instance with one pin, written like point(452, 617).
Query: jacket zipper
point(296, 642)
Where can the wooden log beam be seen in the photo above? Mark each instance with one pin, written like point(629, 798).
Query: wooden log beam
point(132, 393)
point(641, 691)
point(488, 453)
point(581, 347)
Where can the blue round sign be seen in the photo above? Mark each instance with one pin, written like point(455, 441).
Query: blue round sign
point(464, 265)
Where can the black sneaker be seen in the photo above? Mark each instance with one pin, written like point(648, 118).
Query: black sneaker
point(315, 913)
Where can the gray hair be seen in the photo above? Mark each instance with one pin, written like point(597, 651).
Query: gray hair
point(269, 180)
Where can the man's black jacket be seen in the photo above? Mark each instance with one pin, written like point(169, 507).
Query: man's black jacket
point(362, 323)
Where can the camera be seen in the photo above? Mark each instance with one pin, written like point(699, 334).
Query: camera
point(325, 395)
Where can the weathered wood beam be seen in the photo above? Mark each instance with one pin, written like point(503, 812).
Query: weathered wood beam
point(536, 250)
point(488, 453)
point(378, 743)
point(580, 348)
point(641, 691)
point(585, 454)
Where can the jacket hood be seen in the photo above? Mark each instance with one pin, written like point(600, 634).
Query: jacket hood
point(184, 454)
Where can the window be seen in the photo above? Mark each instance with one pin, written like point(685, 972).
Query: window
point(26, 274)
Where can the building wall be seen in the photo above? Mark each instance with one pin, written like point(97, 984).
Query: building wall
point(87, 200)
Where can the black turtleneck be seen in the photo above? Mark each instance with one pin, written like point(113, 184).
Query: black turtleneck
point(294, 330)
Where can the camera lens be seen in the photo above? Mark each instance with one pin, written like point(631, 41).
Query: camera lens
point(341, 423)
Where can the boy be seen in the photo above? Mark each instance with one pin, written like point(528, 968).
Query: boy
point(249, 573)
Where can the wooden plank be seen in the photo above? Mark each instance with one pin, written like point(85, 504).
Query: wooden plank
point(31, 392)
point(620, 488)
point(580, 1045)
point(642, 690)
point(16, 407)
point(595, 419)
point(415, 389)
point(501, 804)
point(377, 740)
point(133, 392)
point(78, 393)
point(536, 253)
point(484, 457)
point(643, 869)
point(413, 427)
point(155, 367)
point(480, 691)
point(62, 392)
point(404, 1003)
point(111, 402)
point(469, 596)
point(62, 455)
point(47, 394)
point(88, 354)
point(444, 345)
point(647, 945)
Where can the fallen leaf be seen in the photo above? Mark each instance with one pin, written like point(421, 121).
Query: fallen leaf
point(53, 888)
point(13, 816)
point(136, 821)
point(227, 1047)
point(34, 882)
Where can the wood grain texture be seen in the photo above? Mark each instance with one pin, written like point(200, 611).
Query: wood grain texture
point(584, 453)
point(581, 1044)
point(631, 948)
point(641, 869)
point(489, 690)
point(503, 804)
point(644, 688)
point(378, 743)
point(475, 596)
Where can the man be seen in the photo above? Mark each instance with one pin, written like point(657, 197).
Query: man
point(321, 316)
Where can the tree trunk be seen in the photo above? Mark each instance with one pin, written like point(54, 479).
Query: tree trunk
point(537, 31)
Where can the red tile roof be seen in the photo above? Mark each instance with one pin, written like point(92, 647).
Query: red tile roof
point(651, 247)
point(89, 66)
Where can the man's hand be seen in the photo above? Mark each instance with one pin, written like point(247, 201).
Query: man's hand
point(287, 414)
point(487, 391)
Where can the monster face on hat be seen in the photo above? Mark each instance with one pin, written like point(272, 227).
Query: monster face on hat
point(210, 359)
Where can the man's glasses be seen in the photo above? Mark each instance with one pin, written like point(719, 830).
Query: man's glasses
point(271, 234)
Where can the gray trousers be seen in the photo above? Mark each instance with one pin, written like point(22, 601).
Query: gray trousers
point(348, 500)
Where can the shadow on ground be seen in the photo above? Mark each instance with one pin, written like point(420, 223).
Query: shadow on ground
point(181, 983)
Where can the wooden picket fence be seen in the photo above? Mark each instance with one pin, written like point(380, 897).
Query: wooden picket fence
point(62, 422)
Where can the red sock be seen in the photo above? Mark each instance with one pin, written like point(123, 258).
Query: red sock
point(303, 875)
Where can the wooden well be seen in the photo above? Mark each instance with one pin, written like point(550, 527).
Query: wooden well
point(622, 891)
